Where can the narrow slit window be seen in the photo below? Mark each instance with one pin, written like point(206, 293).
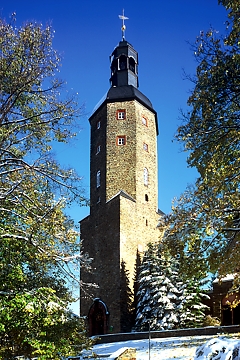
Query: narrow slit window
point(145, 176)
point(98, 149)
point(145, 146)
point(98, 178)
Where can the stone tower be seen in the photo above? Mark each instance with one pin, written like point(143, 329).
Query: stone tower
point(123, 191)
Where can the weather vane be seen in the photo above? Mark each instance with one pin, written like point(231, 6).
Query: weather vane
point(122, 17)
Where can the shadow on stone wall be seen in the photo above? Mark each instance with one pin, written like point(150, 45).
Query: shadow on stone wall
point(136, 284)
point(126, 300)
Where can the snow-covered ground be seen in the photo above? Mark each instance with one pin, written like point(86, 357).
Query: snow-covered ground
point(166, 349)
point(174, 348)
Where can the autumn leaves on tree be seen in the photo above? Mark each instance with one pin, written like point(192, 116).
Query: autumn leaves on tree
point(204, 224)
point(39, 251)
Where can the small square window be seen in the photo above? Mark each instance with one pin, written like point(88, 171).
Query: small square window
point(98, 125)
point(145, 146)
point(121, 114)
point(144, 121)
point(121, 140)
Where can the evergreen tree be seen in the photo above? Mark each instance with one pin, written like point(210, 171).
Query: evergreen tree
point(126, 300)
point(191, 309)
point(148, 278)
point(136, 284)
point(158, 295)
point(165, 300)
point(169, 293)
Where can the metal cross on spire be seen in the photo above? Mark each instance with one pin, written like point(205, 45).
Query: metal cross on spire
point(122, 17)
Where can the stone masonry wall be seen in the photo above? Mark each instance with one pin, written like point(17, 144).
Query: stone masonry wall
point(121, 160)
point(119, 225)
point(100, 237)
point(125, 164)
point(98, 124)
point(146, 134)
point(124, 354)
point(134, 234)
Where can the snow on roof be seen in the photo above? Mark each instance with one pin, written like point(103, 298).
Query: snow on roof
point(229, 277)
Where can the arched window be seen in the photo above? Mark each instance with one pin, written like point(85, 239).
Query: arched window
point(98, 178)
point(145, 176)
point(132, 66)
point(114, 66)
point(144, 121)
point(123, 62)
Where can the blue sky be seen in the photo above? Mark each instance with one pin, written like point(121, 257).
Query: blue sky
point(86, 32)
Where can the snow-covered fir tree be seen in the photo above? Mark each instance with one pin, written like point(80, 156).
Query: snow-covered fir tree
point(165, 301)
point(192, 309)
point(158, 294)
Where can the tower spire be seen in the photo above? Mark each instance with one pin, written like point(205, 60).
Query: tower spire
point(122, 17)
